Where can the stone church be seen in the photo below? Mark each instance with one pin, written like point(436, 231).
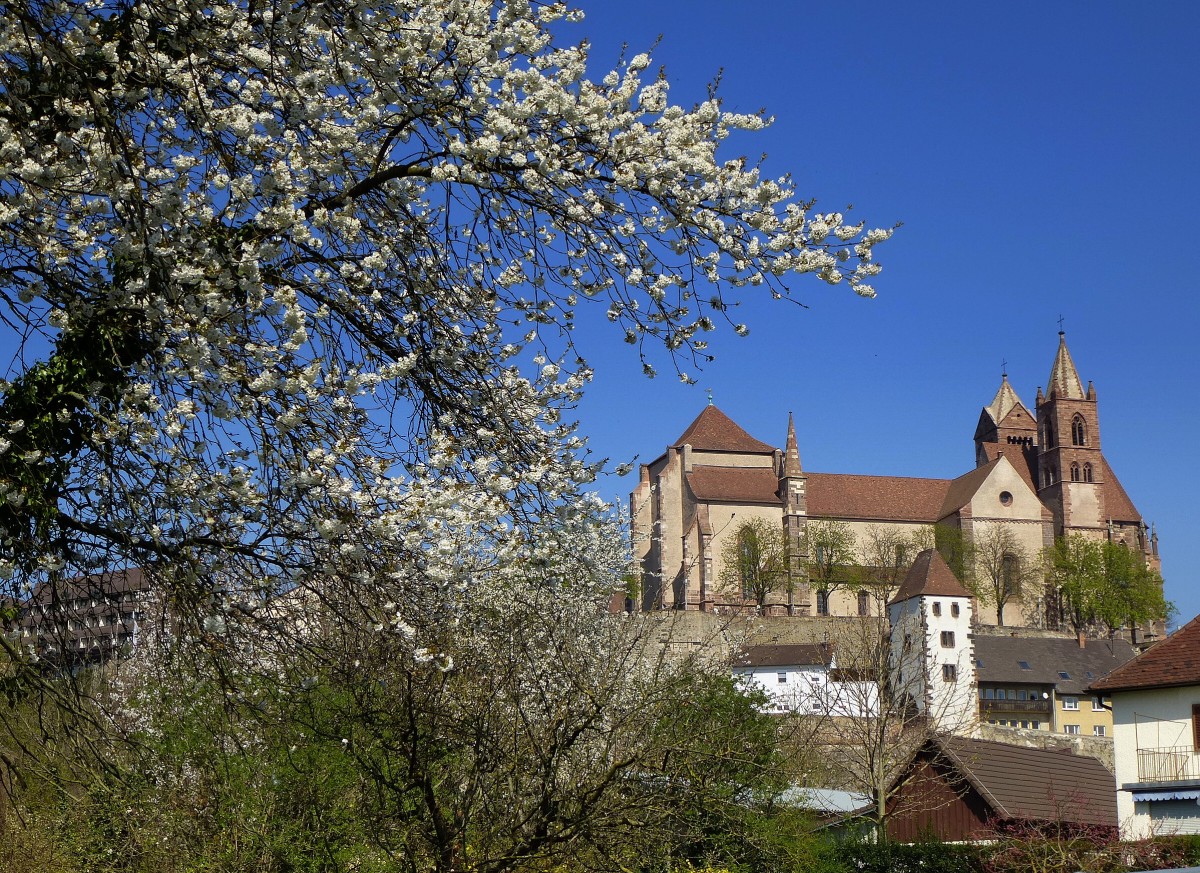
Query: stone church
point(1038, 475)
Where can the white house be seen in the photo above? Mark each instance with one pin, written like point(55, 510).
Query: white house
point(932, 659)
point(804, 678)
point(1156, 736)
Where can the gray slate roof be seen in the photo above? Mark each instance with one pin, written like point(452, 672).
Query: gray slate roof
point(999, 661)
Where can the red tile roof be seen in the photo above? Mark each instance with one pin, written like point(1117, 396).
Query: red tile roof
point(930, 575)
point(714, 431)
point(734, 484)
point(886, 498)
point(1171, 663)
point(1117, 504)
point(1018, 458)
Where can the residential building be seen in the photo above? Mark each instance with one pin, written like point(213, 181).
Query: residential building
point(1038, 475)
point(804, 678)
point(1156, 735)
point(82, 621)
point(957, 788)
point(1040, 682)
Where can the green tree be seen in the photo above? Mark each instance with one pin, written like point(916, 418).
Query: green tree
point(1075, 567)
point(1131, 593)
point(832, 562)
point(1107, 582)
point(754, 562)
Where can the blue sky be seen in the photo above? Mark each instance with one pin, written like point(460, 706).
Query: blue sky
point(1044, 161)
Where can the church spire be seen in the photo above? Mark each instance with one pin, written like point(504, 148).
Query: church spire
point(791, 462)
point(1064, 378)
point(1004, 401)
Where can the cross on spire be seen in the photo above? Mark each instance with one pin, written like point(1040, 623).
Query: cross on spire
point(1060, 323)
point(1004, 367)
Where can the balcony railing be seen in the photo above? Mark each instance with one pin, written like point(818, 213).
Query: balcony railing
point(1169, 764)
point(1014, 706)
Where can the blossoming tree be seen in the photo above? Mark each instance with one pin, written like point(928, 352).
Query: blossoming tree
point(293, 288)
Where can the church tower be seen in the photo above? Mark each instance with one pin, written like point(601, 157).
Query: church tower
point(793, 492)
point(1070, 468)
point(1006, 427)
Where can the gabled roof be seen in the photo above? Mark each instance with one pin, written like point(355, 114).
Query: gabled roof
point(1022, 461)
point(714, 431)
point(930, 575)
point(1064, 379)
point(794, 655)
point(1004, 401)
point(884, 498)
point(1172, 663)
point(734, 484)
point(1036, 784)
point(999, 658)
point(963, 488)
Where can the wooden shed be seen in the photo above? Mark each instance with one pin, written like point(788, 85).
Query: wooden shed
point(962, 789)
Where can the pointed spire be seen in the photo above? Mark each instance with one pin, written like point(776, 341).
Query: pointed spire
point(1064, 378)
point(791, 463)
point(1004, 401)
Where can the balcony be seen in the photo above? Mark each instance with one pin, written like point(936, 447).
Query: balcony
point(986, 706)
point(1168, 764)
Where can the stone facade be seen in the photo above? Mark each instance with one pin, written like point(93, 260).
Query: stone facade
point(1038, 476)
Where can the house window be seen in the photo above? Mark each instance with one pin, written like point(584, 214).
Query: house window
point(954, 609)
point(1070, 703)
point(864, 603)
point(988, 693)
point(947, 639)
point(1063, 674)
point(1024, 665)
point(1072, 729)
point(937, 608)
point(822, 603)
point(1097, 705)
point(782, 678)
point(1098, 730)
point(949, 673)
point(1078, 431)
point(1037, 725)
point(1196, 726)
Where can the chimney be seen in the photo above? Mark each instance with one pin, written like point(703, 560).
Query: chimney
point(1082, 638)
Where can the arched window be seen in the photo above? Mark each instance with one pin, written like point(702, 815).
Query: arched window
point(864, 603)
point(1010, 574)
point(1074, 471)
point(1078, 431)
point(1048, 442)
point(1087, 472)
point(822, 603)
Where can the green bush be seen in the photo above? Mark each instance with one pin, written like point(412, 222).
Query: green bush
point(923, 857)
